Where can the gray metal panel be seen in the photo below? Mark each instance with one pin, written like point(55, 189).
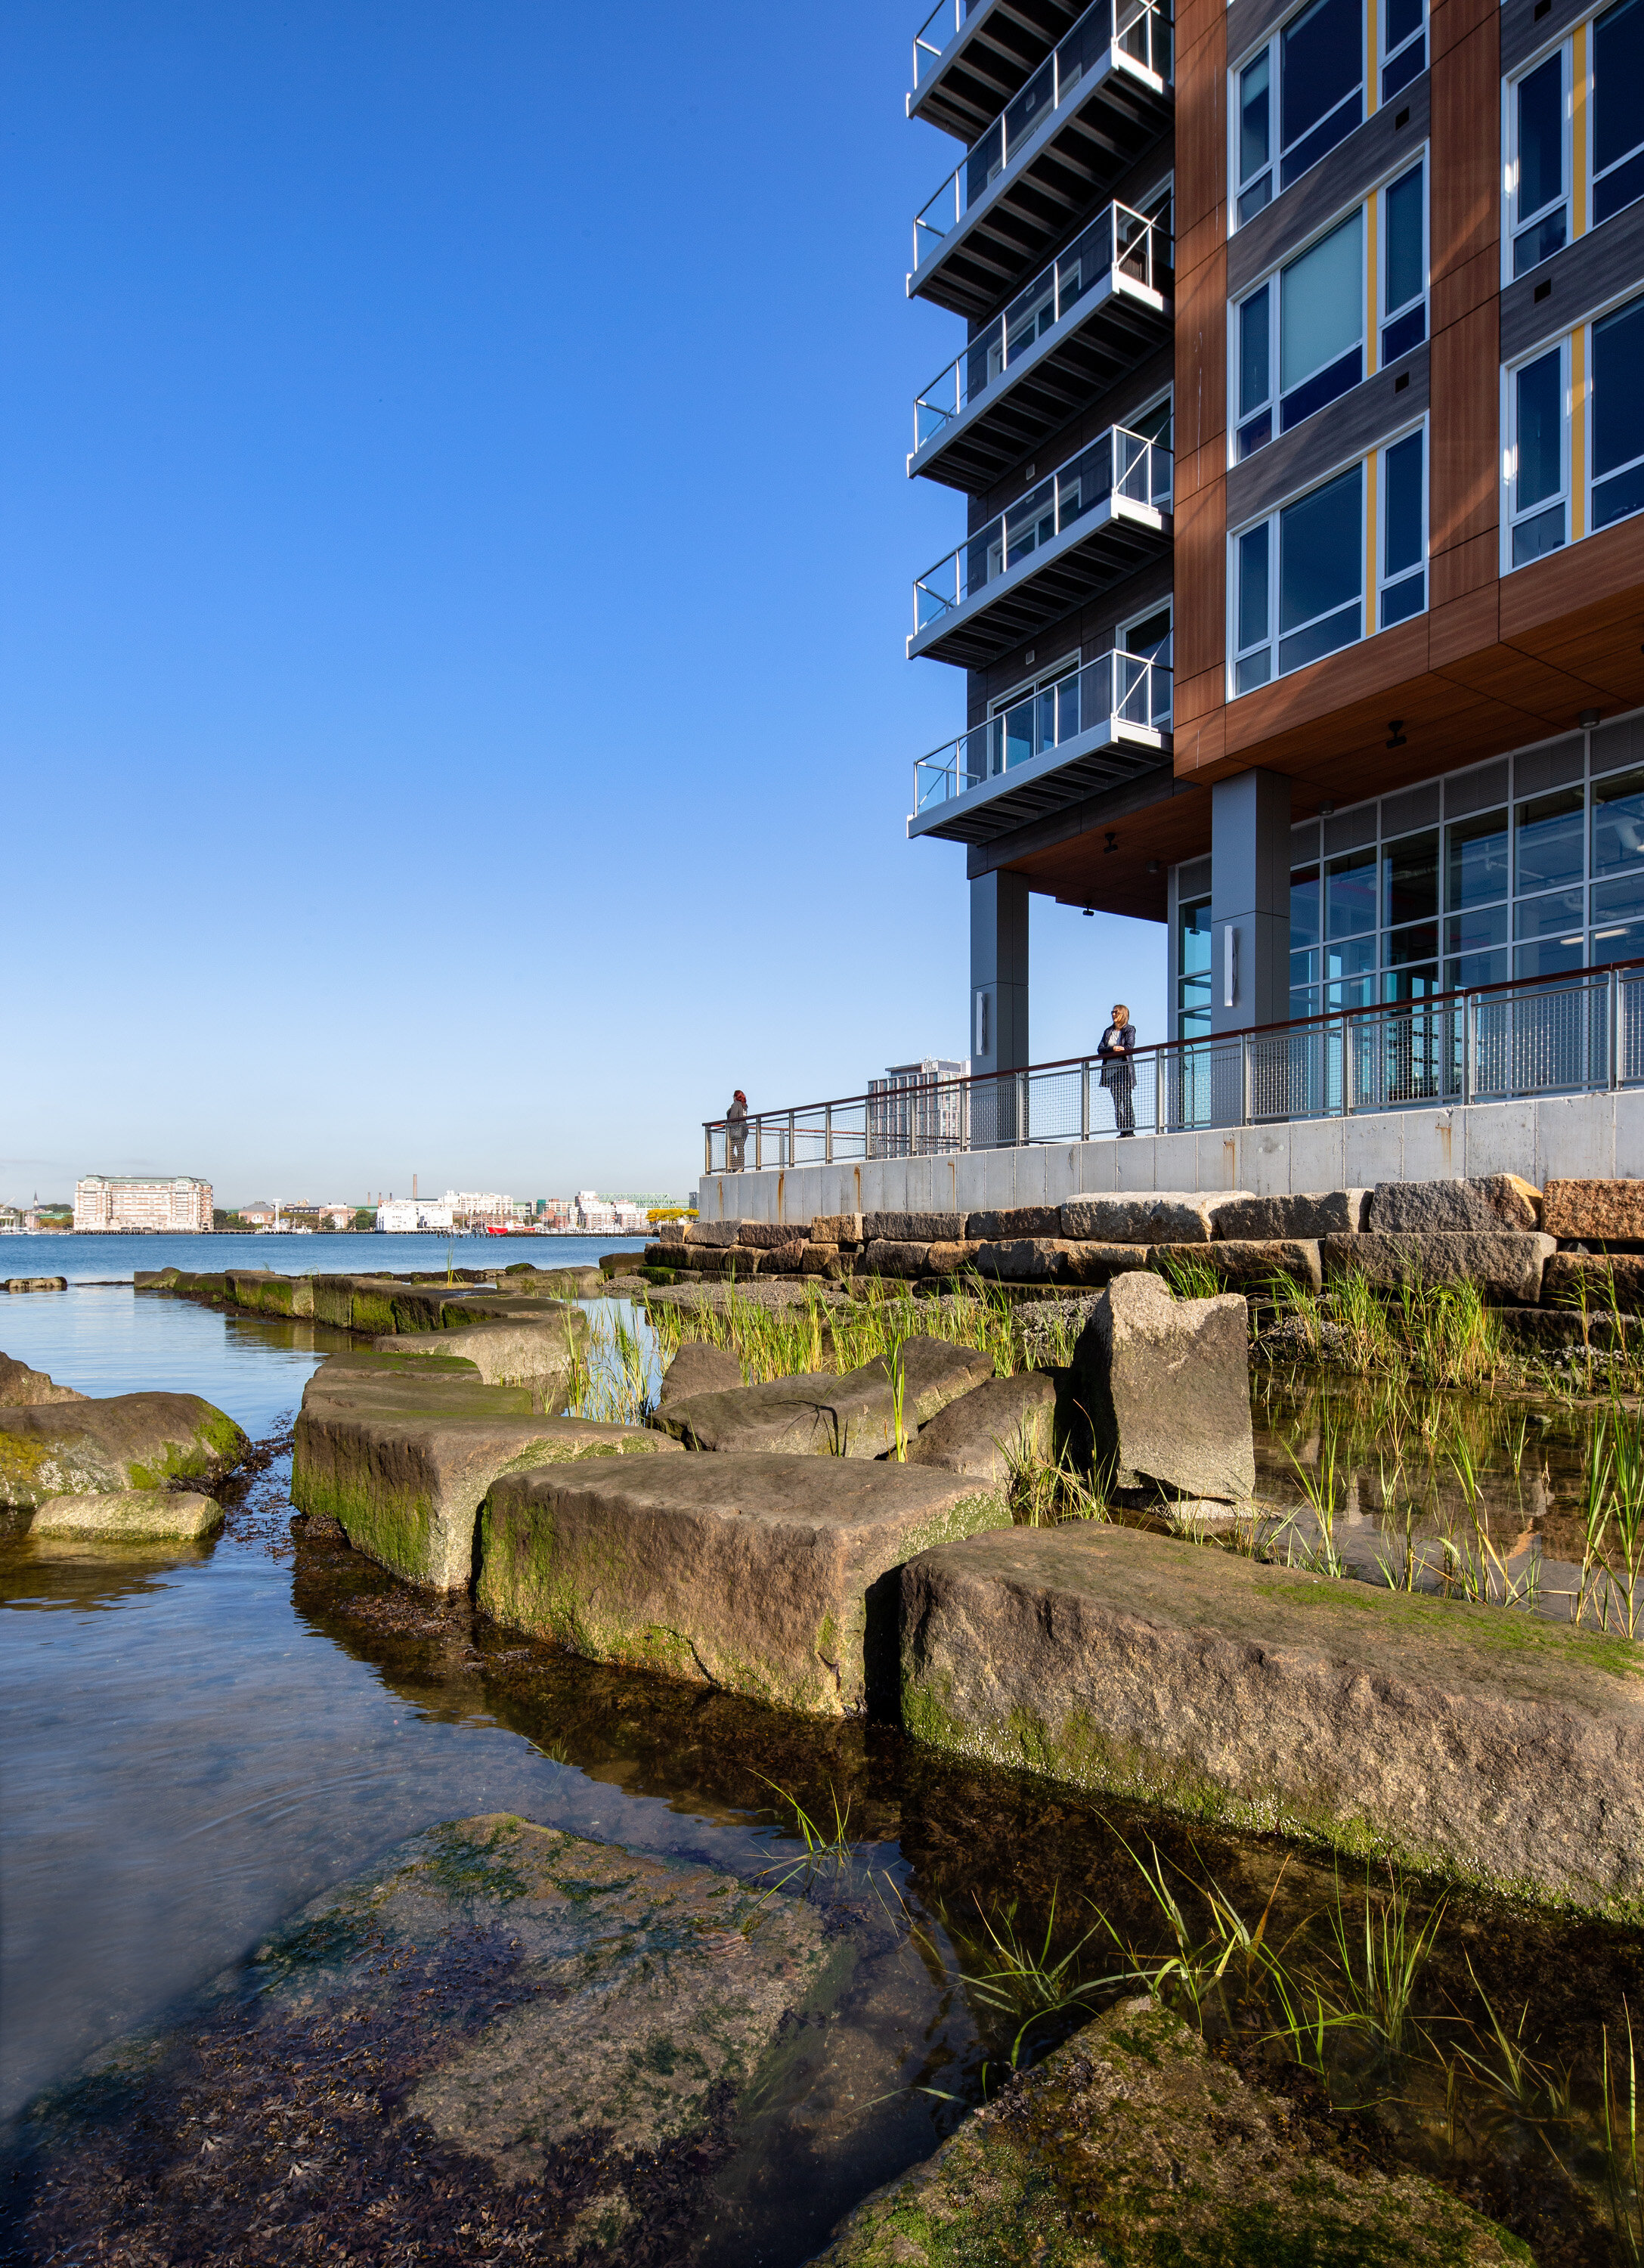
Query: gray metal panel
point(1410, 808)
point(1333, 436)
point(1334, 185)
point(1482, 789)
point(1193, 881)
point(1596, 268)
point(1618, 744)
point(1351, 832)
point(1250, 22)
point(1559, 764)
point(1521, 35)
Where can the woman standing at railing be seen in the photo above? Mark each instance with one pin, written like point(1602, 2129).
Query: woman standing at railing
point(1118, 1073)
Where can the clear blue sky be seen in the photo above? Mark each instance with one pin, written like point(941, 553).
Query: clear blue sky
point(455, 576)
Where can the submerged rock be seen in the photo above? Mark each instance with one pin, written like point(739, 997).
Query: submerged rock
point(1490, 1745)
point(497, 2027)
point(130, 1516)
point(37, 1284)
point(23, 1388)
point(825, 1413)
point(538, 1351)
point(122, 1441)
point(1167, 1388)
point(1131, 2145)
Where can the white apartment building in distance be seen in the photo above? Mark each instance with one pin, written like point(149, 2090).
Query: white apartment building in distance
point(132, 1203)
point(404, 1216)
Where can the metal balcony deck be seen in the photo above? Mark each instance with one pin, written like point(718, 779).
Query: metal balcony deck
point(1108, 752)
point(972, 55)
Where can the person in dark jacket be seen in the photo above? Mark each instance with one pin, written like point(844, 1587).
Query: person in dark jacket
point(1118, 1073)
point(736, 1132)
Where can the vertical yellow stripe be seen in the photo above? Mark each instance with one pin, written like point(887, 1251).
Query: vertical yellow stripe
point(1578, 435)
point(1372, 329)
point(1372, 65)
point(1370, 464)
point(1578, 132)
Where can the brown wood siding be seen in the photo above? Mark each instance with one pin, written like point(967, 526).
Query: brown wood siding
point(1200, 381)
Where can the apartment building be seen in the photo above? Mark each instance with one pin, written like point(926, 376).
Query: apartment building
point(1299, 412)
point(130, 1202)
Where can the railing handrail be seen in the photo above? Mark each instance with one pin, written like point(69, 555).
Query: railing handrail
point(1108, 213)
point(1123, 16)
point(1097, 661)
point(1573, 979)
point(943, 761)
point(1145, 448)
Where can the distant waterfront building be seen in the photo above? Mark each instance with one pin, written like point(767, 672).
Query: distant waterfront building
point(131, 1202)
point(476, 1207)
point(404, 1216)
point(915, 1109)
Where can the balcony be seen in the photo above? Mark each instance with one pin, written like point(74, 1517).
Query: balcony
point(1100, 98)
point(1080, 325)
point(969, 56)
point(1096, 728)
point(1099, 517)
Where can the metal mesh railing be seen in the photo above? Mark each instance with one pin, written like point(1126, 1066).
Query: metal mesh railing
point(1562, 1035)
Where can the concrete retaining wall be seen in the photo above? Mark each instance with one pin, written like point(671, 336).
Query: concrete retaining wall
point(1575, 1138)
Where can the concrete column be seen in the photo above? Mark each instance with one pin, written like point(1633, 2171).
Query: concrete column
point(1249, 901)
point(999, 973)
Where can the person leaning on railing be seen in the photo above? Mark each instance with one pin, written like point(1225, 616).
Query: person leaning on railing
point(1118, 1073)
point(736, 1132)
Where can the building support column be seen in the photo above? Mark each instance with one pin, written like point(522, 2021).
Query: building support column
point(1249, 901)
point(999, 1003)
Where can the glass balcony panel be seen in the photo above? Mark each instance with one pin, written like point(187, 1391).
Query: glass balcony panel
point(1025, 108)
point(1020, 740)
point(1029, 523)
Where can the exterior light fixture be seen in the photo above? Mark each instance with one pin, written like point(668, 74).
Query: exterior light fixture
point(1587, 718)
point(1396, 733)
point(1153, 866)
point(1111, 843)
point(1087, 911)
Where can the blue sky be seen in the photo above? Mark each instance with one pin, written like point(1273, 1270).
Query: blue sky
point(451, 608)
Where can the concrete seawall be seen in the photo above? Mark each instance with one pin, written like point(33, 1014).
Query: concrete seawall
point(1575, 1138)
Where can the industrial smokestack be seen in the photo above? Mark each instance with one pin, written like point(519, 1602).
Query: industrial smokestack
point(413, 1189)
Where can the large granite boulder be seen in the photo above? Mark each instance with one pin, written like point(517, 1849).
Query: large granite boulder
point(762, 1574)
point(839, 1228)
point(699, 1368)
point(1498, 1747)
point(37, 1284)
point(1504, 1264)
point(1004, 1227)
point(23, 1388)
point(1145, 1217)
point(1131, 2144)
point(1487, 1201)
point(913, 1227)
point(712, 1231)
point(898, 1258)
point(770, 1235)
point(499, 2040)
point(1578, 1279)
point(1594, 1212)
point(538, 1351)
point(825, 1413)
point(1166, 1387)
point(130, 1516)
point(1246, 1264)
point(123, 1442)
point(1308, 1216)
point(401, 1457)
point(980, 1435)
point(1026, 1259)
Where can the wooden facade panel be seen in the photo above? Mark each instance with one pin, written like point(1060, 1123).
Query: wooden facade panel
point(1197, 696)
point(1201, 357)
point(1201, 579)
point(1597, 579)
point(1505, 673)
point(1200, 145)
point(1310, 696)
point(1464, 483)
point(1250, 22)
point(1201, 742)
point(1467, 624)
point(1525, 30)
point(1466, 149)
point(1464, 569)
point(1329, 438)
point(1471, 284)
point(1332, 186)
point(1452, 21)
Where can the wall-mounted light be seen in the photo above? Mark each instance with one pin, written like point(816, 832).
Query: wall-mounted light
point(1087, 911)
point(1153, 866)
point(1112, 842)
point(1396, 733)
point(1588, 720)
point(1326, 810)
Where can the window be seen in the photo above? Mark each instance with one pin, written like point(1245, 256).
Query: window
point(1404, 263)
point(1404, 531)
point(1315, 67)
point(1618, 46)
point(1549, 852)
point(1403, 45)
point(1038, 714)
point(1618, 868)
point(1410, 895)
point(1193, 984)
point(1535, 456)
point(1307, 323)
point(1299, 582)
point(1148, 639)
point(1538, 173)
point(1615, 426)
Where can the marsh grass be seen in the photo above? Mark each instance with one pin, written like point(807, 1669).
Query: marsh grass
point(1021, 1978)
point(1192, 1278)
point(612, 1381)
point(826, 1848)
point(1623, 2171)
point(817, 1334)
point(1044, 1490)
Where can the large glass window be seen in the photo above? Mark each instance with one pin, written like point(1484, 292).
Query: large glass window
point(1549, 934)
point(1403, 45)
point(1535, 487)
point(1314, 604)
point(1410, 880)
point(1618, 114)
point(1404, 531)
point(1192, 939)
point(1539, 169)
point(1616, 910)
point(1548, 841)
point(1475, 860)
point(1307, 327)
point(1404, 264)
point(1316, 64)
point(1617, 412)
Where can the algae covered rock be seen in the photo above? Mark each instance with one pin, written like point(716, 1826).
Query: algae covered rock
point(851, 1414)
point(497, 2041)
point(130, 1516)
point(1131, 2147)
point(23, 1388)
point(122, 1441)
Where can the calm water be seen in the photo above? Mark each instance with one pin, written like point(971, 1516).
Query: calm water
point(194, 1743)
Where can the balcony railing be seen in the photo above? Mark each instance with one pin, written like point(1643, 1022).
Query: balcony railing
point(1570, 1035)
point(1121, 689)
point(1137, 30)
point(944, 24)
point(1117, 465)
point(1117, 238)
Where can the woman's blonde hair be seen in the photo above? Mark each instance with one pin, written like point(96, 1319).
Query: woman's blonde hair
point(1119, 1009)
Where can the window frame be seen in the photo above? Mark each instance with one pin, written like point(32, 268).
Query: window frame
point(1510, 516)
point(1592, 152)
point(1273, 638)
point(1272, 407)
point(1390, 86)
point(1384, 581)
point(1514, 222)
point(1387, 316)
point(1272, 48)
point(1589, 484)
